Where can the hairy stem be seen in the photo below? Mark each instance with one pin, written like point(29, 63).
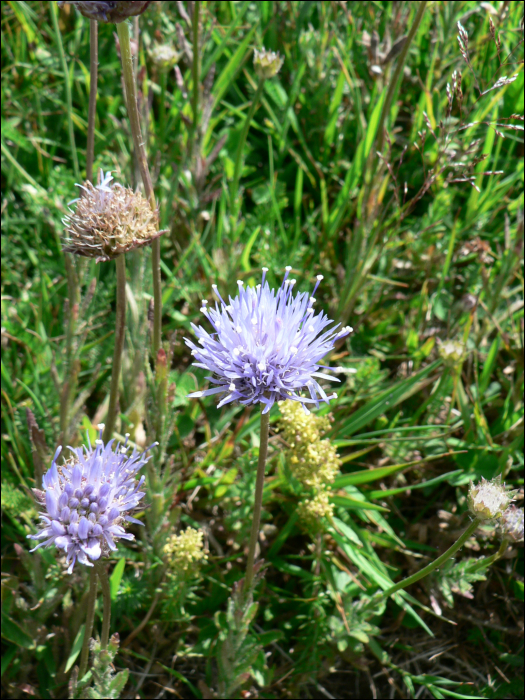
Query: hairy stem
point(435, 564)
point(134, 120)
point(397, 74)
point(90, 617)
point(106, 597)
point(259, 485)
point(120, 325)
point(93, 79)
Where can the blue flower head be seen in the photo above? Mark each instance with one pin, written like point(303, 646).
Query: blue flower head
point(266, 345)
point(87, 500)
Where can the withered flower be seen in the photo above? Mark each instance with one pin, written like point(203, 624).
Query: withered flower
point(108, 220)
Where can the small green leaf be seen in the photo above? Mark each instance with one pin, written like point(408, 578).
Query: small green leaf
point(116, 578)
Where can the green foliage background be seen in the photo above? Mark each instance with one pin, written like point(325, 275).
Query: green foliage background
point(418, 244)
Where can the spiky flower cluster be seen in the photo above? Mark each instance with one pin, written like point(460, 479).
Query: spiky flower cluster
point(110, 11)
point(87, 500)
point(312, 460)
point(108, 220)
point(266, 346)
point(489, 499)
point(267, 63)
point(511, 524)
point(185, 551)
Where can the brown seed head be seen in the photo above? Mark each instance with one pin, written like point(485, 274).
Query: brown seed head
point(109, 220)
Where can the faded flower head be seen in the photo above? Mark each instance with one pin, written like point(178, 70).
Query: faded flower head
point(489, 499)
point(87, 500)
point(185, 551)
point(266, 346)
point(452, 352)
point(111, 11)
point(109, 220)
point(164, 55)
point(511, 524)
point(267, 63)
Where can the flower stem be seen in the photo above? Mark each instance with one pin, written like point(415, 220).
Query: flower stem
point(90, 617)
point(120, 325)
point(93, 78)
point(242, 141)
point(397, 74)
point(134, 120)
point(106, 597)
point(435, 564)
point(259, 485)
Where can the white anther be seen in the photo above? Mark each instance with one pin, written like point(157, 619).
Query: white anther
point(228, 308)
point(203, 309)
point(101, 426)
point(254, 321)
point(311, 329)
point(214, 287)
point(310, 311)
point(238, 329)
point(232, 387)
point(294, 350)
point(261, 366)
point(292, 282)
point(288, 268)
point(319, 278)
point(265, 269)
point(312, 300)
point(99, 442)
point(240, 282)
point(204, 302)
point(236, 352)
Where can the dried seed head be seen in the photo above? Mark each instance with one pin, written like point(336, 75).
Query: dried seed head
point(511, 524)
point(489, 499)
point(111, 11)
point(109, 220)
point(267, 63)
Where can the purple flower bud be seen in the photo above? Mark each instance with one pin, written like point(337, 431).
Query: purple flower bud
point(73, 503)
point(113, 514)
point(64, 515)
point(79, 494)
point(103, 504)
point(94, 508)
point(88, 490)
point(104, 490)
point(83, 528)
point(63, 500)
point(84, 503)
